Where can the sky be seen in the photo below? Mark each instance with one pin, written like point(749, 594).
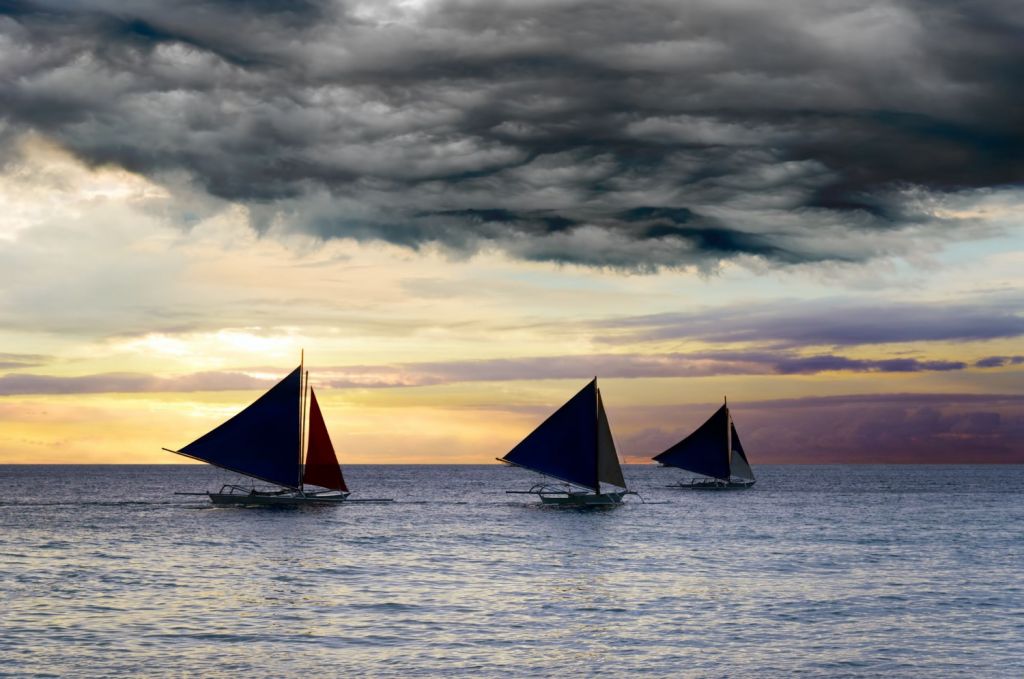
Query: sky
point(463, 211)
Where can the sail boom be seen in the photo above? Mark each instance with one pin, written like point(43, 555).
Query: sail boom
point(232, 469)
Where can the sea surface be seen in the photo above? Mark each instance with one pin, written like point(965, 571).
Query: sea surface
point(902, 571)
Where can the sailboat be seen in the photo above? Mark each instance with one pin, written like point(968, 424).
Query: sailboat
point(265, 443)
point(575, 447)
point(714, 451)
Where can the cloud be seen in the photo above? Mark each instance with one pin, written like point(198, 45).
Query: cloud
point(998, 361)
point(639, 136)
point(21, 384)
point(829, 322)
point(8, 361)
point(625, 366)
point(420, 374)
point(816, 364)
point(864, 428)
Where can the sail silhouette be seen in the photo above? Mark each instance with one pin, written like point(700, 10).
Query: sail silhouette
point(739, 464)
point(563, 445)
point(322, 467)
point(262, 441)
point(713, 450)
point(574, 445)
point(265, 442)
point(608, 468)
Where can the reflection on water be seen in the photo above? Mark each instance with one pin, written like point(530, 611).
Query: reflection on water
point(822, 570)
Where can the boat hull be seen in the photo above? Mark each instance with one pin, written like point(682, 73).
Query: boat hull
point(713, 485)
point(260, 500)
point(583, 499)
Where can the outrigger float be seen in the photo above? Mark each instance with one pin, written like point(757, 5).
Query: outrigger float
point(714, 451)
point(574, 446)
point(265, 442)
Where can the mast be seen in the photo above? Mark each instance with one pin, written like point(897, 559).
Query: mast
point(728, 438)
point(597, 438)
point(303, 373)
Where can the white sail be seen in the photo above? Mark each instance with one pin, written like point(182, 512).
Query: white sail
point(740, 467)
point(738, 464)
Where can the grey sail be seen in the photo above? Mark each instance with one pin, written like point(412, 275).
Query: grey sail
point(739, 466)
point(608, 468)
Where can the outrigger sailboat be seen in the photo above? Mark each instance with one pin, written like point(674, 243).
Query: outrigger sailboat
point(574, 446)
point(714, 451)
point(265, 443)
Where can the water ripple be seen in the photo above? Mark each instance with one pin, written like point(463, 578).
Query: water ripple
point(818, 571)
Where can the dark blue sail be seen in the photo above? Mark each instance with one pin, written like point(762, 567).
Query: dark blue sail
point(565, 445)
point(262, 441)
point(705, 451)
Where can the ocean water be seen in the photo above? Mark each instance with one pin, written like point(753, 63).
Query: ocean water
point(906, 571)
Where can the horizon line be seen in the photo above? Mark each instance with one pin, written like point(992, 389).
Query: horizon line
point(494, 464)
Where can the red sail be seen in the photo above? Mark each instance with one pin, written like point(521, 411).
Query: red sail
point(321, 463)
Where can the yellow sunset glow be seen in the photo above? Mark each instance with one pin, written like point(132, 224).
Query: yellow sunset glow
point(416, 354)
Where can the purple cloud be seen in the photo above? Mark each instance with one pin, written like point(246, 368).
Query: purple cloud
point(827, 323)
point(999, 361)
point(624, 366)
point(9, 361)
point(697, 364)
point(780, 361)
point(817, 364)
point(871, 428)
point(12, 384)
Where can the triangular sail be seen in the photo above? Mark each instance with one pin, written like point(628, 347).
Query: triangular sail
point(262, 441)
point(739, 464)
point(705, 451)
point(322, 467)
point(564, 445)
point(608, 468)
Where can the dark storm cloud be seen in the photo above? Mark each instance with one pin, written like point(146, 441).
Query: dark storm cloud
point(632, 135)
point(828, 323)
